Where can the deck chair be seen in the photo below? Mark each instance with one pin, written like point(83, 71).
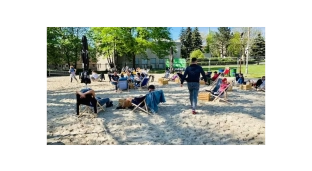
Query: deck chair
point(224, 93)
point(149, 103)
point(144, 83)
point(123, 85)
point(98, 77)
point(216, 86)
point(98, 104)
point(139, 103)
point(225, 72)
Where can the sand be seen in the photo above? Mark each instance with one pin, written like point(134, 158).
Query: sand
point(217, 123)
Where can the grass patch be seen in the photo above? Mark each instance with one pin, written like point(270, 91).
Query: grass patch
point(254, 71)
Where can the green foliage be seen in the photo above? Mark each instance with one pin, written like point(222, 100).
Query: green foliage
point(223, 37)
point(132, 41)
point(183, 40)
point(258, 47)
point(235, 47)
point(188, 41)
point(197, 54)
point(64, 45)
point(212, 44)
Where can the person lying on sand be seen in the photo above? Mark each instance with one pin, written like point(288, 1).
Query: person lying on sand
point(135, 100)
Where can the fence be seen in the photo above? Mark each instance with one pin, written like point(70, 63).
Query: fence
point(57, 73)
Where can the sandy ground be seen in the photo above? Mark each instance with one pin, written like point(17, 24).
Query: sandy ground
point(217, 123)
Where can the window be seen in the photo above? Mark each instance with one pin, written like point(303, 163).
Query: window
point(153, 62)
point(161, 63)
point(144, 63)
point(137, 61)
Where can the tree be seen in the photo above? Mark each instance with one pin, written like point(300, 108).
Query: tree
point(182, 40)
point(64, 45)
point(223, 38)
point(197, 54)
point(188, 42)
point(212, 44)
point(254, 32)
point(132, 41)
point(196, 39)
point(235, 47)
point(258, 48)
point(53, 46)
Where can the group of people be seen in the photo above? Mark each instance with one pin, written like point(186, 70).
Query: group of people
point(191, 75)
point(89, 94)
point(258, 85)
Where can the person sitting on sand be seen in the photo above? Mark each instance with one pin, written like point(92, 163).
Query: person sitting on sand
point(174, 76)
point(258, 83)
point(94, 76)
point(136, 100)
point(215, 76)
point(114, 80)
point(122, 77)
point(167, 73)
point(130, 77)
point(208, 75)
point(262, 86)
point(240, 79)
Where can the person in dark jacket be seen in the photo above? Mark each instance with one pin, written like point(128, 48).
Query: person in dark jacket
point(193, 75)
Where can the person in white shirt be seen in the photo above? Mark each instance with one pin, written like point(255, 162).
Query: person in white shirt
point(262, 86)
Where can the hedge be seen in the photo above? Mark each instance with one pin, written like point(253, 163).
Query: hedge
point(221, 63)
point(79, 71)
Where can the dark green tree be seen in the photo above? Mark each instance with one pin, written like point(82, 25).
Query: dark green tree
point(258, 48)
point(188, 41)
point(223, 38)
point(196, 40)
point(182, 40)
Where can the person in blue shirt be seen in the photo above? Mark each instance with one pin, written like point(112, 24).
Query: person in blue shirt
point(240, 79)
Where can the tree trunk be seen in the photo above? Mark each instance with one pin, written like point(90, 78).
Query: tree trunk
point(133, 60)
point(171, 60)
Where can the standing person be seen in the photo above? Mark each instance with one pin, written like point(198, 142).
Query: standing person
point(115, 79)
point(193, 72)
point(72, 72)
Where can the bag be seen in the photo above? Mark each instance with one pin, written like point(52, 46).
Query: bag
point(124, 103)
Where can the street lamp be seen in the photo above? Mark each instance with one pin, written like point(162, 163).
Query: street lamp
point(240, 58)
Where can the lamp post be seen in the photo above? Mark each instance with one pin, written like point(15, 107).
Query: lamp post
point(240, 58)
point(247, 51)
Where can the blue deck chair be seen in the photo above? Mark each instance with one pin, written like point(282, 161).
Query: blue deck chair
point(123, 85)
point(143, 83)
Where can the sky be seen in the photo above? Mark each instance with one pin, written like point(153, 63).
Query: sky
point(175, 31)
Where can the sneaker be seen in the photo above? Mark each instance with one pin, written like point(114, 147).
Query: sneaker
point(193, 112)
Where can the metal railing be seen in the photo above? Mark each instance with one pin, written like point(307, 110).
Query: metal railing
point(57, 73)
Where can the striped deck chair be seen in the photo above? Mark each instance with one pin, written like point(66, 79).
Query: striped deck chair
point(221, 93)
point(216, 86)
point(225, 72)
